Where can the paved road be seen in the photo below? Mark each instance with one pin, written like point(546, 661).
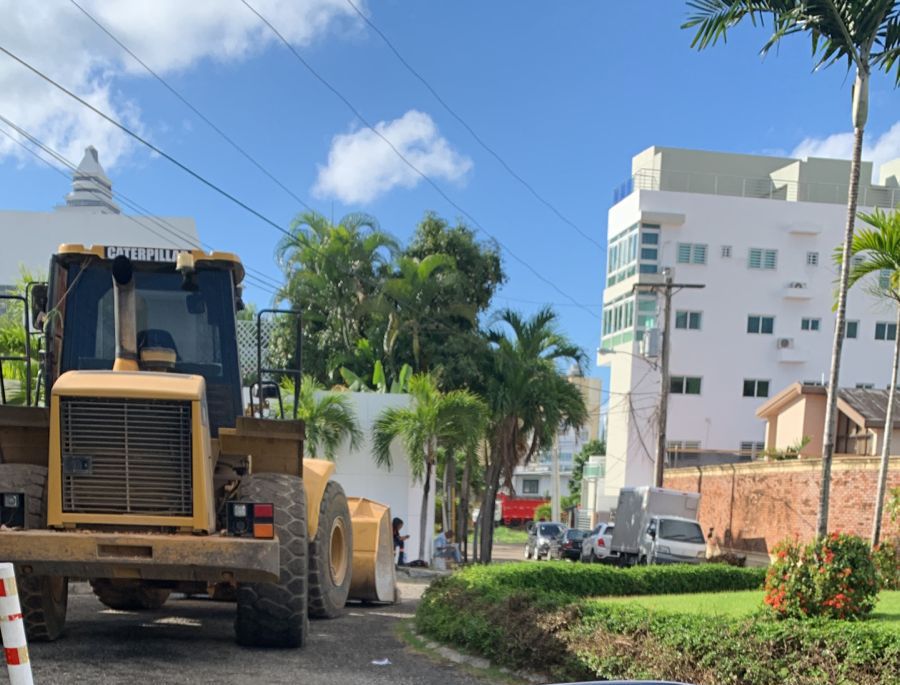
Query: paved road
point(192, 641)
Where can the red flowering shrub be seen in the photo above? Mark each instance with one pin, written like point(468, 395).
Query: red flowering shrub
point(833, 576)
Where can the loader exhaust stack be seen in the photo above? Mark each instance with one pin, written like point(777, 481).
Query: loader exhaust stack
point(125, 317)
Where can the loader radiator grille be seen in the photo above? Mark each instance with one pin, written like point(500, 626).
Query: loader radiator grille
point(126, 456)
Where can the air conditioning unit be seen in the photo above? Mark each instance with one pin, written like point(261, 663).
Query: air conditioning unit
point(796, 284)
point(785, 343)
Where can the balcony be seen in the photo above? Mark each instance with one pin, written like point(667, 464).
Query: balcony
point(760, 188)
point(796, 290)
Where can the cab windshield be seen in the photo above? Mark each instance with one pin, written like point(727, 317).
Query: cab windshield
point(680, 531)
point(197, 324)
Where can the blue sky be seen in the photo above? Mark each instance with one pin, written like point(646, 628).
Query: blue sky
point(565, 92)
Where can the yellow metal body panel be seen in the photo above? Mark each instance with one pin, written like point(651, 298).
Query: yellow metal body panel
point(274, 446)
point(373, 577)
point(316, 473)
point(137, 385)
point(209, 558)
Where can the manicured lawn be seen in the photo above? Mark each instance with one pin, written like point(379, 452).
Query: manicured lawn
point(508, 536)
point(741, 603)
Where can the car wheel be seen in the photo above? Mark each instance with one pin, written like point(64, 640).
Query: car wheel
point(527, 553)
point(593, 558)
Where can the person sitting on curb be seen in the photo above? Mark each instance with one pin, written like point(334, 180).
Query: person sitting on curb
point(445, 548)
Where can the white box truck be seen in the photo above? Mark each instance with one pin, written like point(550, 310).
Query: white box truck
point(658, 526)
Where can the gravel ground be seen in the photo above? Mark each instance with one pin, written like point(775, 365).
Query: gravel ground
point(192, 641)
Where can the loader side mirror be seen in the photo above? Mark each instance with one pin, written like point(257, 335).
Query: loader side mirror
point(38, 304)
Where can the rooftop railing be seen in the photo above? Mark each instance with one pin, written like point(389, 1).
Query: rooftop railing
point(766, 188)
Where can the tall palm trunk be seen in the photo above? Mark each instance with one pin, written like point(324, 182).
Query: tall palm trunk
point(860, 113)
point(886, 447)
point(449, 481)
point(426, 491)
point(488, 505)
point(462, 514)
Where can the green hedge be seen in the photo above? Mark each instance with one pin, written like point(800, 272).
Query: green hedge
point(542, 617)
point(582, 580)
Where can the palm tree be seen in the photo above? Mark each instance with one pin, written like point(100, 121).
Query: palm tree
point(328, 417)
point(334, 272)
point(435, 419)
point(409, 295)
point(863, 33)
point(529, 400)
point(878, 252)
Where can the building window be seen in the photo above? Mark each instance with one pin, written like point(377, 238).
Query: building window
point(688, 320)
point(857, 260)
point(649, 237)
point(691, 253)
point(884, 279)
point(648, 253)
point(726, 251)
point(756, 388)
point(530, 486)
point(684, 385)
point(812, 259)
point(885, 331)
point(760, 324)
point(852, 330)
point(752, 447)
point(762, 259)
point(807, 324)
point(649, 268)
point(865, 386)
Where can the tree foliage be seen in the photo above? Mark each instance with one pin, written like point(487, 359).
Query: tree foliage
point(328, 417)
point(589, 449)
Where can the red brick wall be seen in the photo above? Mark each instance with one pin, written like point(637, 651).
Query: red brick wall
point(753, 506)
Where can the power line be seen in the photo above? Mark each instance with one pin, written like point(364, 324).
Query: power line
point(135, 219)
point(259, 215)
point(472, 132)
point(408, 163)
point(196, 111)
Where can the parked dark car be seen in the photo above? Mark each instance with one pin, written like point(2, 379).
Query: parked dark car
point(570, 545)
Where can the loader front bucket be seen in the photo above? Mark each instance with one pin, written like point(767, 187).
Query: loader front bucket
point(374, 578)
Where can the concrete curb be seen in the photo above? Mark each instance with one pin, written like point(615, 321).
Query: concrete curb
point(478, 662)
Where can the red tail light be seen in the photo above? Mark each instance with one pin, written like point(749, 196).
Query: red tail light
point(600, 542)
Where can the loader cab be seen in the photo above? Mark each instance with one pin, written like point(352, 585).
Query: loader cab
point(185, 319)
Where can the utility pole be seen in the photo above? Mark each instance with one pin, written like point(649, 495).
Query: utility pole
point(667, 287)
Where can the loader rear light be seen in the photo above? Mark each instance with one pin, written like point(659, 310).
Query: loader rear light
point(12, 510)
point(251, 519)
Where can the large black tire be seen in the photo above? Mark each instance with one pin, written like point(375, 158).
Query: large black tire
point(331, 555)
point(128, 595)
point(275, 614)
point(44, 598)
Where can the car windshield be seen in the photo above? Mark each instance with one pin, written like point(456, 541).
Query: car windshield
point(680, 531)
point(575, 535)
point(550, 530)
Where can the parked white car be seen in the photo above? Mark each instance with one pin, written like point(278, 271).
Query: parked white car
point(597, 546)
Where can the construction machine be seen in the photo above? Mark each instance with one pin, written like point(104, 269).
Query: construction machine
point(139, 468)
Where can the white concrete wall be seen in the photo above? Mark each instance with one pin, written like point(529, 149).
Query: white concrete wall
point(360, 477)
point(30, 238)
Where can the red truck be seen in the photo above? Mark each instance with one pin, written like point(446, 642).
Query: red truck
point(514, 511)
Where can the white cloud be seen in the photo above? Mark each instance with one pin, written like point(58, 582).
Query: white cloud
point(361, 166)
point(877, 149)
point(169, 35)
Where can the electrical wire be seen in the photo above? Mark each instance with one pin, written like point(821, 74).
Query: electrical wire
point(228, 139)
point(408, 163)
point(472, 132)
point(135, 219)
point(122, 127)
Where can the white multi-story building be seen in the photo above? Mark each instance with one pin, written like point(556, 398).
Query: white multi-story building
point(759, 234)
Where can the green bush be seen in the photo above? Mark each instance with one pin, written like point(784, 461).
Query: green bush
point(543, 512)
point(583, 580)
point(833, 576)
point(570, 637)
point(887, 562)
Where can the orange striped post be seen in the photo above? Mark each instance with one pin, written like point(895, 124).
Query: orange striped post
point(12, 628)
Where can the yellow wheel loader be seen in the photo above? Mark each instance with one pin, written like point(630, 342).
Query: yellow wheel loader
point(138, 469)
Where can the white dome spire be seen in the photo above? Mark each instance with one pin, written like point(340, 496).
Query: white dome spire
point(91, 187)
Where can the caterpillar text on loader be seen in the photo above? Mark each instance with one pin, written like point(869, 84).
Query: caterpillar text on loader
point(142, 474)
